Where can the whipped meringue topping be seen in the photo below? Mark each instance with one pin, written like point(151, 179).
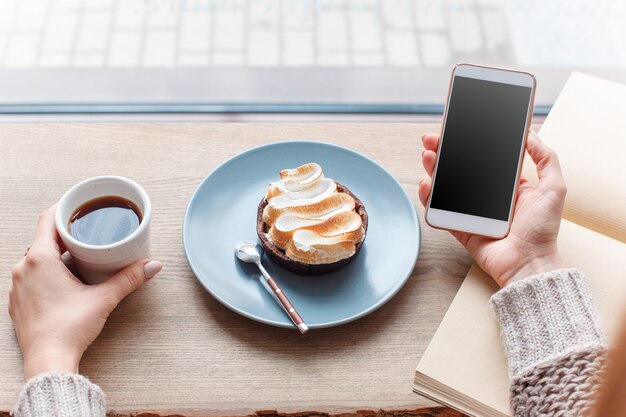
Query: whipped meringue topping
point(309, 219)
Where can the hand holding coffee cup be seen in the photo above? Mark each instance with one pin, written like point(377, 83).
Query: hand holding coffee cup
point(56, 317)
point(104, 222)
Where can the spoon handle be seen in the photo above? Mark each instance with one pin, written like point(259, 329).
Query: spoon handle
point(284, 301)
point(289, 308)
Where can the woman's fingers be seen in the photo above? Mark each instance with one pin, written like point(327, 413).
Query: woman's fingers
point(548, 166)
point(429, 158)
point(47, 238)
point(429, 154)
point(431, 141)
point(128, 280)
point(424, 191)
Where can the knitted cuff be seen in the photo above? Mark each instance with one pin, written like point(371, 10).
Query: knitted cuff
point(60, 394)
point(544, 316)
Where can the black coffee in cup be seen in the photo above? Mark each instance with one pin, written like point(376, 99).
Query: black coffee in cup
point(104, 220)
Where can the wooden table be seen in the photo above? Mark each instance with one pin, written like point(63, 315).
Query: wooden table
point(170, 347)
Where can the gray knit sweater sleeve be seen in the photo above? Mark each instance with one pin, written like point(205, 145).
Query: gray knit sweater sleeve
point(554, 344)
point(60, 394)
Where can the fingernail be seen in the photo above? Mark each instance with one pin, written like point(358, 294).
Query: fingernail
point(152, 268)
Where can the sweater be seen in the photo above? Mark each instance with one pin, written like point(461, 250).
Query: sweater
point(551, 334)
point(60, 394)
point(554, 344)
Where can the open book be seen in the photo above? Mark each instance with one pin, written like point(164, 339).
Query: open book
point(464, 366)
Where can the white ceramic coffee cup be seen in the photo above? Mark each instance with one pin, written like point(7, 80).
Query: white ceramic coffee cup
point(96, 263)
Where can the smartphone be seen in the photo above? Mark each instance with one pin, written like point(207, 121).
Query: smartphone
point(483, 139)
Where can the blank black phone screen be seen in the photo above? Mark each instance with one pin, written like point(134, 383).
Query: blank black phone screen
point(480, 148)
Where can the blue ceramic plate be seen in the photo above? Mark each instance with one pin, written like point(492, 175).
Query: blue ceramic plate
point(223, 211)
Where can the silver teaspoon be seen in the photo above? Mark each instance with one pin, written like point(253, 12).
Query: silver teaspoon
point(251, 252)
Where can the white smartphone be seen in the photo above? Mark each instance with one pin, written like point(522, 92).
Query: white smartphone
point(483, 139)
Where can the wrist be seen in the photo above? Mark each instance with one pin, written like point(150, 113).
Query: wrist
point(39, 361)
point(534, 266)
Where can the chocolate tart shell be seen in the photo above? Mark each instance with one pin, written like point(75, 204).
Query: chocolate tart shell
point(300, 268)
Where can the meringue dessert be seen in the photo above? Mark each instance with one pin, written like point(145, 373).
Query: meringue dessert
point(310, 224)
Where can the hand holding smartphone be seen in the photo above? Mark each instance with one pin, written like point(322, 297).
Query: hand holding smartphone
point(475, 170)
point(483, 138)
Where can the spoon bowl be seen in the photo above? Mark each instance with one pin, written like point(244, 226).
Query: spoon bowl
point(249, 251)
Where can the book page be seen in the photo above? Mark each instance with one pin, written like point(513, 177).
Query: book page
point(587, 129)
point(465, 353)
